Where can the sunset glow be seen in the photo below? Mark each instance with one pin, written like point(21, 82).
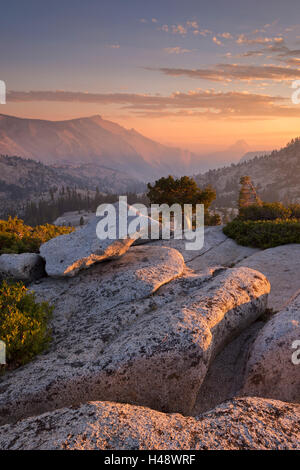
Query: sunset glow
point(192, 75)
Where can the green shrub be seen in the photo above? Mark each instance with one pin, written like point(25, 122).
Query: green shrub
point(264, 233)
point(16, 237)
point(295, 211)
point(181, 191)
point(266, 211)
point(23, 323)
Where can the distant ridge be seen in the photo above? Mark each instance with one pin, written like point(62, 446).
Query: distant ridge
point(90, 140)
point(250, 155)
point(23, 179)
point(275, 175)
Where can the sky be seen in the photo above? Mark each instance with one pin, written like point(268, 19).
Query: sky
point(196, 74)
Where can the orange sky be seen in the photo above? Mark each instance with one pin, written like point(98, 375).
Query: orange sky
point(199, 135)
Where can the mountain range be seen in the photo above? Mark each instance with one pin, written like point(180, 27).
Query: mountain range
point(91, 140)
point(96, 141)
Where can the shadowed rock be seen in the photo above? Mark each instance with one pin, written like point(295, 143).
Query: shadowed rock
point(271, 370)
point(225, 376)
point(25, 267)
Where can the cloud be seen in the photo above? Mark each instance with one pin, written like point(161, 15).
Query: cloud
point(203, 32)
point(243, 39)
point(225, 36)
point(266, 26)
point(292, 61)
point(179, 29)
point(217, 41)
point(274, 23)
point(228, 72)
point(114, 46)
point(256, 31)
point(192, 24)
point(283, 51)
point(176, 50)
point(280, 51)
point(251, 54)
point(209, 104)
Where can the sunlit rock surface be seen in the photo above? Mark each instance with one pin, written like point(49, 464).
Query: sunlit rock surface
point(240, 424)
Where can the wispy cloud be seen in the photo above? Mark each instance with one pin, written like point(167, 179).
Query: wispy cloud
point(113, 46)
point(176, 50)
point(225, 35)
point(193, 24)
point(183, 29)
point(283, 51)
point(279, 51)
point(206, 103)
point(179, 29)
point(202, 32)
point(243, 39)
point(152, 20)
point(217, 41)
point(229, 72)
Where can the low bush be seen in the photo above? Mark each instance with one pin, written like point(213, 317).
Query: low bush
point(16, 237)
point(23, 323)
point(266, 211)
point(295, 211)
point(264, 233)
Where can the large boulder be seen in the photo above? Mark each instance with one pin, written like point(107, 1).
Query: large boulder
point(273, 368)
point(112, 343)
point(138, 274)
point(281, 265)
point(25, 267)
point(65, 255)
point(240, 424)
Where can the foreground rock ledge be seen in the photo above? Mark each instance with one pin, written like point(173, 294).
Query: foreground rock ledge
point(240, 424)
point(133, 352)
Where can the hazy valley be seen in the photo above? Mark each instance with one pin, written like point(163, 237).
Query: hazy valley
point(92, 154)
